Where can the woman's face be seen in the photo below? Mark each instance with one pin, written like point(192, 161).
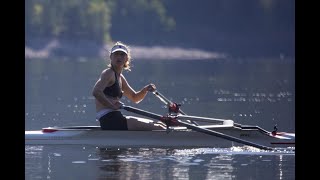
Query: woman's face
point(118, 58)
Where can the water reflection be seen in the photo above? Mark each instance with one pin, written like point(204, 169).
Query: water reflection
point(109, 162)
point(200, 163)
point(139, 163)
point(77, 162)
point(220, 167)
point(34, 163)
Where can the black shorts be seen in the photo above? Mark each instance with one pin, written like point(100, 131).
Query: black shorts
point(113, 121)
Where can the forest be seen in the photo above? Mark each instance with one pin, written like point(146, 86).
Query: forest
point(242, 28)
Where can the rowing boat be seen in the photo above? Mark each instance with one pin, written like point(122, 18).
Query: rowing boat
point(172, 137)
point(182, 131)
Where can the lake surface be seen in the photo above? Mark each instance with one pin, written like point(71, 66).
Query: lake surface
point(249, 91)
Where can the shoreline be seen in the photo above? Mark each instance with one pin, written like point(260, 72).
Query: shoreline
point(85, 49)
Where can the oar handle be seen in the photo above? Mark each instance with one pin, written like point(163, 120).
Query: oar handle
point(161, 97)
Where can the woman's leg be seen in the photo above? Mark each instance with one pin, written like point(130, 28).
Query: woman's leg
point(143, 124)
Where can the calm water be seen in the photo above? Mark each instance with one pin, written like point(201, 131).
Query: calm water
point(256, 92)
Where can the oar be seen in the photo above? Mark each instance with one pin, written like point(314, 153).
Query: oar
point(167, 102)
point(196, 128)
point(224, 136)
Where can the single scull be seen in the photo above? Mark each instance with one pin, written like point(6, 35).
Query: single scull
point(182, 131)
point(176, 136)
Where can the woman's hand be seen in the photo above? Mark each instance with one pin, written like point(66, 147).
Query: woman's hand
point(115, 103)
point(151, 87)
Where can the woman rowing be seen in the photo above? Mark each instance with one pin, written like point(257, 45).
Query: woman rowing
point(109, 89)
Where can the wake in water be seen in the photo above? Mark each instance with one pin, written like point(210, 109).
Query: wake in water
point(246, 150)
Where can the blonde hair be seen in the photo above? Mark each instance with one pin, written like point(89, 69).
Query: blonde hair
point(127, 65)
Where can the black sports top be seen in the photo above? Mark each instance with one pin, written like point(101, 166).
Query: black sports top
point(114, 90)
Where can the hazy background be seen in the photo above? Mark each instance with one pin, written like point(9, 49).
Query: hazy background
point(250, 28)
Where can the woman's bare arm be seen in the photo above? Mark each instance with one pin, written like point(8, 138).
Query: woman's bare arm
point(104, 81)
point(131, 94)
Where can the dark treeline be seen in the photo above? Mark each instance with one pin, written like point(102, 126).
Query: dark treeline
point(241, 28)
point(83, 19)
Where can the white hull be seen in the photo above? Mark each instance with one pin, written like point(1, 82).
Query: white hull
point(92, 135)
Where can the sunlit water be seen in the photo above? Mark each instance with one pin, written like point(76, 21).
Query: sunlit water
point(58, 93)
point(81, 162)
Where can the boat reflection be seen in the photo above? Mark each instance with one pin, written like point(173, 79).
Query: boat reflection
point(88, 162)
point(155, 163)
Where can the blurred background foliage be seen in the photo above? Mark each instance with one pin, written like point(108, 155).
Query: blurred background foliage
point(255, 27)
point(74, 19)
